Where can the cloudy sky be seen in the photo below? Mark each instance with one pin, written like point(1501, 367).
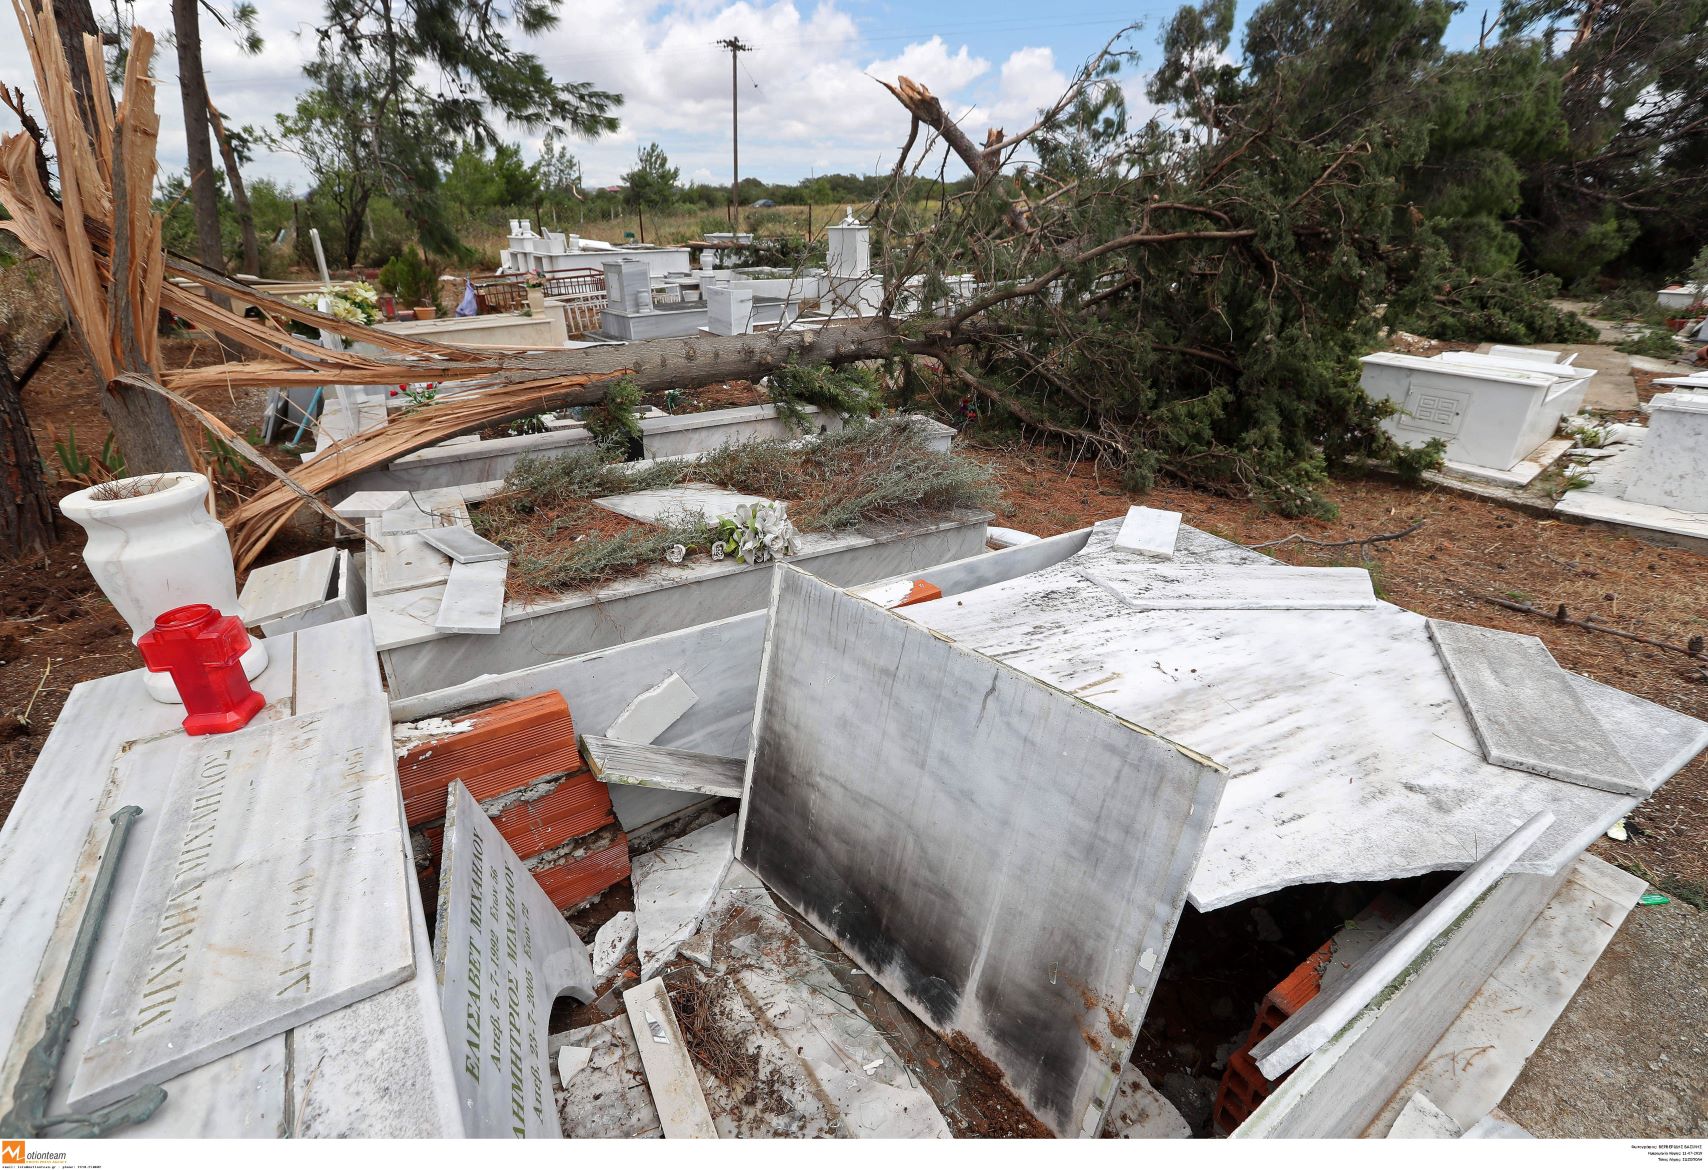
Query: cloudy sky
point(808, 99)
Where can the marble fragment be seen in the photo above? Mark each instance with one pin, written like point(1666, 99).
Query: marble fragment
point(674, 886)
point(1150, 531)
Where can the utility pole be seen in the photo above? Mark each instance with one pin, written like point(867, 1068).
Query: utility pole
point(735, 47)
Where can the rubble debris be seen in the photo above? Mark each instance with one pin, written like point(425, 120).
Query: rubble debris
point(673, 769)
point(1326, 1015)
point(571, 1060)
point(611, 943)
point(1139, 1111)
point(670, 1074)
point(609, 1098)
point(674, 887)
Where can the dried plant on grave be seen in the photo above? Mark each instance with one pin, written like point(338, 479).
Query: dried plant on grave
point(714, 1040)
point(559, 539)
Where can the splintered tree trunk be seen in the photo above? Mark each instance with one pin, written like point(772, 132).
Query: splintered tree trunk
point(74, 19)
point(198, 149)
point(26, 512)
point(239, 195)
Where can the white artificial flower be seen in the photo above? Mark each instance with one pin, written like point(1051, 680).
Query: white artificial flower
point(676, 554)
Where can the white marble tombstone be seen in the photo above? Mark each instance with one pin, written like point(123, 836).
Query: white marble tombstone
point(273, 892)
point(628, 285)
point(729, 310)
point(1672, 471)
point(849, 253)
point(502, 954)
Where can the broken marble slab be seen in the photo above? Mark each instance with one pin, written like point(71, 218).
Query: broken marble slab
point(899, 800)
point(674, 886)
point(368, 504)
point(435, 508)
point(611, 943)
point(503, 954)
point(403, 562)
point(670, 1072)
point(1330, 1011)
point(1150, 531)
point(273, 893)
point(684, 500)
point(616, 761)
point(652, 712)
point(571, 1060)
point(1157, 586)
point(288, 588)
point(1423, 1118)
point(474, 598)
point(609, 1098)
point(464, 545)
point(1525, 711)
point(1139, 1111)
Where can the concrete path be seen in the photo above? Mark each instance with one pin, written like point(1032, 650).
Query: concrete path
point(1612, 387)
point(1629, 1057)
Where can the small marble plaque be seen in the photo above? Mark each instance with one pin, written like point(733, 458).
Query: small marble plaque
point(502, 953)
point(273, 892)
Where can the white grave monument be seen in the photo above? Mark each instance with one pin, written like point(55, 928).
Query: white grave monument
point(1673, 470)
point(729, 309)
point(853, 291)
point(503, 954)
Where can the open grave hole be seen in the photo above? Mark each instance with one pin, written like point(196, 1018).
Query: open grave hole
point(1222, 964)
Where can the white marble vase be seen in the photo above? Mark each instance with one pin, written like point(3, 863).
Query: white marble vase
point(153, 546)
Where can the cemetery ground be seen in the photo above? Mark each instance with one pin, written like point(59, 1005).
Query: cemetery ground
point(1637, 1034)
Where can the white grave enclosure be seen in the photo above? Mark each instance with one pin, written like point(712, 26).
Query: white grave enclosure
point(503, 954)
point(273, 892)
point(1490, 417)
point(1673, 472)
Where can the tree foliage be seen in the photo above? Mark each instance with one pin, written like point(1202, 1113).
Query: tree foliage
point(1192, 294)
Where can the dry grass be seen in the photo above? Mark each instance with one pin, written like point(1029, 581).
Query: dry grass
point(559, 540)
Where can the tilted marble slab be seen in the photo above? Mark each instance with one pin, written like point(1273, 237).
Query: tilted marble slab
point(288, 588)
point(617, 761)
point(464, 545)
point(1525, 711)
point(474, 599)
point(1351, 755)
point(331, 1079)
point(273, 892)
point(1332, 1009)
point(503, 954)
point(1008, 862)
point(1151, 531)
point(1507, 1019)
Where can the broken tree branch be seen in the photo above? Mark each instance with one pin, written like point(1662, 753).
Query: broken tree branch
point(1559, 616)
point(1361, 541)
